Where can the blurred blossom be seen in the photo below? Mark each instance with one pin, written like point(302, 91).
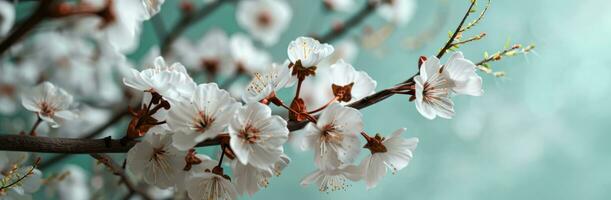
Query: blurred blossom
point(212, 53)
point(7, 17)
point(246, 57)
point(398, 12)
point(265, 20)
point(89, 119)
point(339, 5)
point(73, 184)
point(50, 103)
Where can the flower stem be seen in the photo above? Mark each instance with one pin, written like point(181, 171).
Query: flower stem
point(36, 124)
point(324, 106)
point(222, 155)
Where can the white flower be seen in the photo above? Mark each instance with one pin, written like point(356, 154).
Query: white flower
point(334, 137)
point(156, 160)
point(265, 20)
point(257, 136)
point(25, 188)
point(308, 50)
point(122, 25)
point(51, 103)
point(213, 52)
point(205, 184)
point(399, 152)
point(204, 117)
point(7, 14)
point(348, 84)
point(432, 91)
point(268, 82)
point(249, 179)
point(339, 5)
point(246, 57)
point(8, 159)
point(171, 82)
point(13, 79)
point(462, 76)
point(398, 12)
point(333, 179)
point(74, 186)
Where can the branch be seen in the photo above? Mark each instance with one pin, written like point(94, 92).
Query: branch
point(71, 145)
point(41, 12)
point(187, 20)
point(117, 170)
point(114, 119)
point(456, 32)
point(353, 21)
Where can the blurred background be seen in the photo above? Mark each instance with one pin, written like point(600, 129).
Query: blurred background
point(539, 132)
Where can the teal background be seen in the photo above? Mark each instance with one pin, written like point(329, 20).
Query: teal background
point(541, 132)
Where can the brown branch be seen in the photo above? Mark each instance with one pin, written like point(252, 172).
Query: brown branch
point(186, 21)
point(71, 145)
point(40, 14)
point(117, 170)
point(114, 119)
point(352, 22)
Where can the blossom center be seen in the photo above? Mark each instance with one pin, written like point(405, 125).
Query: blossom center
point(330, 135)
point(202, 122)
point(7, 90)
point(264, 19)
point(158, 154)
point(250, 134)
point(46, 109)
point(211, 65)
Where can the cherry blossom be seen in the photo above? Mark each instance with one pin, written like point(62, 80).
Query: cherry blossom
point(393, 153)
point(250, 179)
point(7, 14)
point(268, 82)
point(432, 91)
point(339, 5)
point(246, 57)
point(170, 81)
point(28, 183)
point(349, 85)
point(213, 53)
point(265, 20)
point(209, 182)
point(462, 76)
point(156, 160)
point(308, 51)
point(329, 180)
point(205, 116)
point(257, 136)
point(52, 104)
point(398, 12)
point(334, 137)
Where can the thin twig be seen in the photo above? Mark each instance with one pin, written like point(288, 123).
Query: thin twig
point(117, 170)
point(456, 32)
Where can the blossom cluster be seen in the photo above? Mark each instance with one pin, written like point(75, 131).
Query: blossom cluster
point(67, 76)
point(251, 137)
